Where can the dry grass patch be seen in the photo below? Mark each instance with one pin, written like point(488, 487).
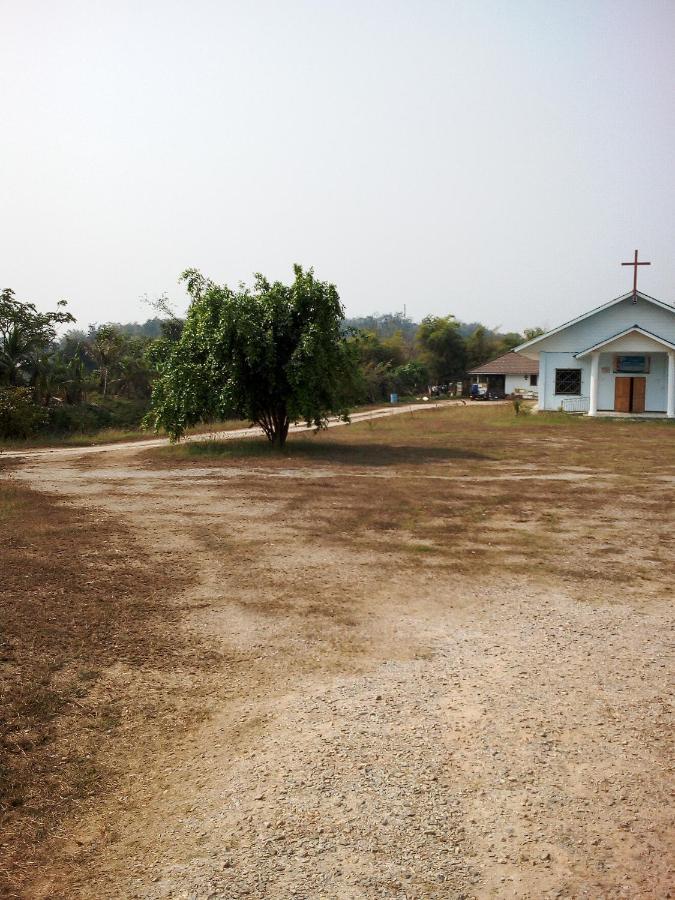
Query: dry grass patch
point(86, 627)
point(471, 490)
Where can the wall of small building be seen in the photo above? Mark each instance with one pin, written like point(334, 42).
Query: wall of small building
point(513, 383)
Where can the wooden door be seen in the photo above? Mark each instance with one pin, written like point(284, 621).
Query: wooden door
point(638, 401)
point(622, 394)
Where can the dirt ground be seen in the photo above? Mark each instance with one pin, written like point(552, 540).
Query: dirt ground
point(423, 657)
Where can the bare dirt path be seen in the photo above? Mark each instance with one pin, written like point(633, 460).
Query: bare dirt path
point(381, 725)
point(229, 435)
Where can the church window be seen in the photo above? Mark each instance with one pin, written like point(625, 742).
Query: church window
point(568, 381)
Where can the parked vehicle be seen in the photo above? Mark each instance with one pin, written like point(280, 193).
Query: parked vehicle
point(480, 392)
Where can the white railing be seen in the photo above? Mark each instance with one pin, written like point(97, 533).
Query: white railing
point(575, 404)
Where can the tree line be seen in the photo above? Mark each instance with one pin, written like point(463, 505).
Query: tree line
point(400, 356)
point(272, 354)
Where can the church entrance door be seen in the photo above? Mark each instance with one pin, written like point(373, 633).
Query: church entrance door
point(629, 394)
point(638, 399)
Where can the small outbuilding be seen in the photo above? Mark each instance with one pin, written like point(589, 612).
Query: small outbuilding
point(511, 373)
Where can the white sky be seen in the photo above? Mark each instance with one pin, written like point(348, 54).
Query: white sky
point(496, 160)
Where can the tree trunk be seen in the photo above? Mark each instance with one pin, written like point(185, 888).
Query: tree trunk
point(275, 425)
point(283, 432)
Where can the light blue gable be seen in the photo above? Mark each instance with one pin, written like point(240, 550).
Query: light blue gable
point(657, 318)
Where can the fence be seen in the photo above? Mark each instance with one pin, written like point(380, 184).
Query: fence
point(575, 404)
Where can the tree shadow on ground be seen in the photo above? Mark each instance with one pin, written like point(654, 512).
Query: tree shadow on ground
point(348, 454)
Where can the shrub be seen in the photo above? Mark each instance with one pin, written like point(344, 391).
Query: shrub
point(20, 415)
point(83, 418)
point(87, 418)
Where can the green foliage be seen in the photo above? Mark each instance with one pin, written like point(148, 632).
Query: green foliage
point(380, 361)
point(443, 350)
point(384, 326)
point(392, 351)
point(20, 415)
point(25, 334)
point(103, 377)
point(377, 381)
point(106, 347)
point(410, 378)
point(531, 333)
point(480, 347)
point(507, 342)
point(88, 418)
point(272, 354)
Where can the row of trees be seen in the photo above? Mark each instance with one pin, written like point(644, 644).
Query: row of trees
point(77, 381)
point(107, 360)
point(272, 354)
point(439, 351)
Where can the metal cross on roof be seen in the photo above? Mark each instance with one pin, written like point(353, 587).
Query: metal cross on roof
point(635, 264)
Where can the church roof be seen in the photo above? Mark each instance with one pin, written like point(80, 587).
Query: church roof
point(510, 363)
point(592, 312)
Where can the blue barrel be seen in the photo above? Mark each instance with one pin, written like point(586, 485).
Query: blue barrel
point(393, 398)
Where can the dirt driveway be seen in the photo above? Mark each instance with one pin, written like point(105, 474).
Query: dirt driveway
point(405, 704)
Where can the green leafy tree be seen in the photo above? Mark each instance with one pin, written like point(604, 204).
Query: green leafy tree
point(410, 378)
point(378, 358)
point(531, 333)
point(134, 375)
point(20, 415)
point(443, 350)
point(106, 346)
point(25, 334)
point(377, 381)
point(507, 342)
point(272, 354)
point(480, 347)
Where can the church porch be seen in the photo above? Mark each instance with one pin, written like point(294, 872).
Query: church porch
point(632, 375)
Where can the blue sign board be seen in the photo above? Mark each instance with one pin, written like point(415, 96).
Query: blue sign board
point(631, 364)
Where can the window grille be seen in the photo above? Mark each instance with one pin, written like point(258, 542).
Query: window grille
point(568, 381)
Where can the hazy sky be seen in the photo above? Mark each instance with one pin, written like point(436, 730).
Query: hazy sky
point(496, 160)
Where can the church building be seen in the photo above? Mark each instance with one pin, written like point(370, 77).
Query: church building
point(617, 358)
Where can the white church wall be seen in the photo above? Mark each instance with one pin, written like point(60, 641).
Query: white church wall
point(548, 363)
point(655, 398)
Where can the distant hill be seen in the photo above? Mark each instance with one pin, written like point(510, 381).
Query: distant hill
point(151, 328)
point(387, 324)
point(384, 325)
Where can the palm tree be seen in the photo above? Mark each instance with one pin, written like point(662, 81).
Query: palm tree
point(18, 347)
point(25, 333)
point(105, 348)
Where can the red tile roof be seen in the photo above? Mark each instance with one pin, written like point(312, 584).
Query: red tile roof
point(511, 363)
